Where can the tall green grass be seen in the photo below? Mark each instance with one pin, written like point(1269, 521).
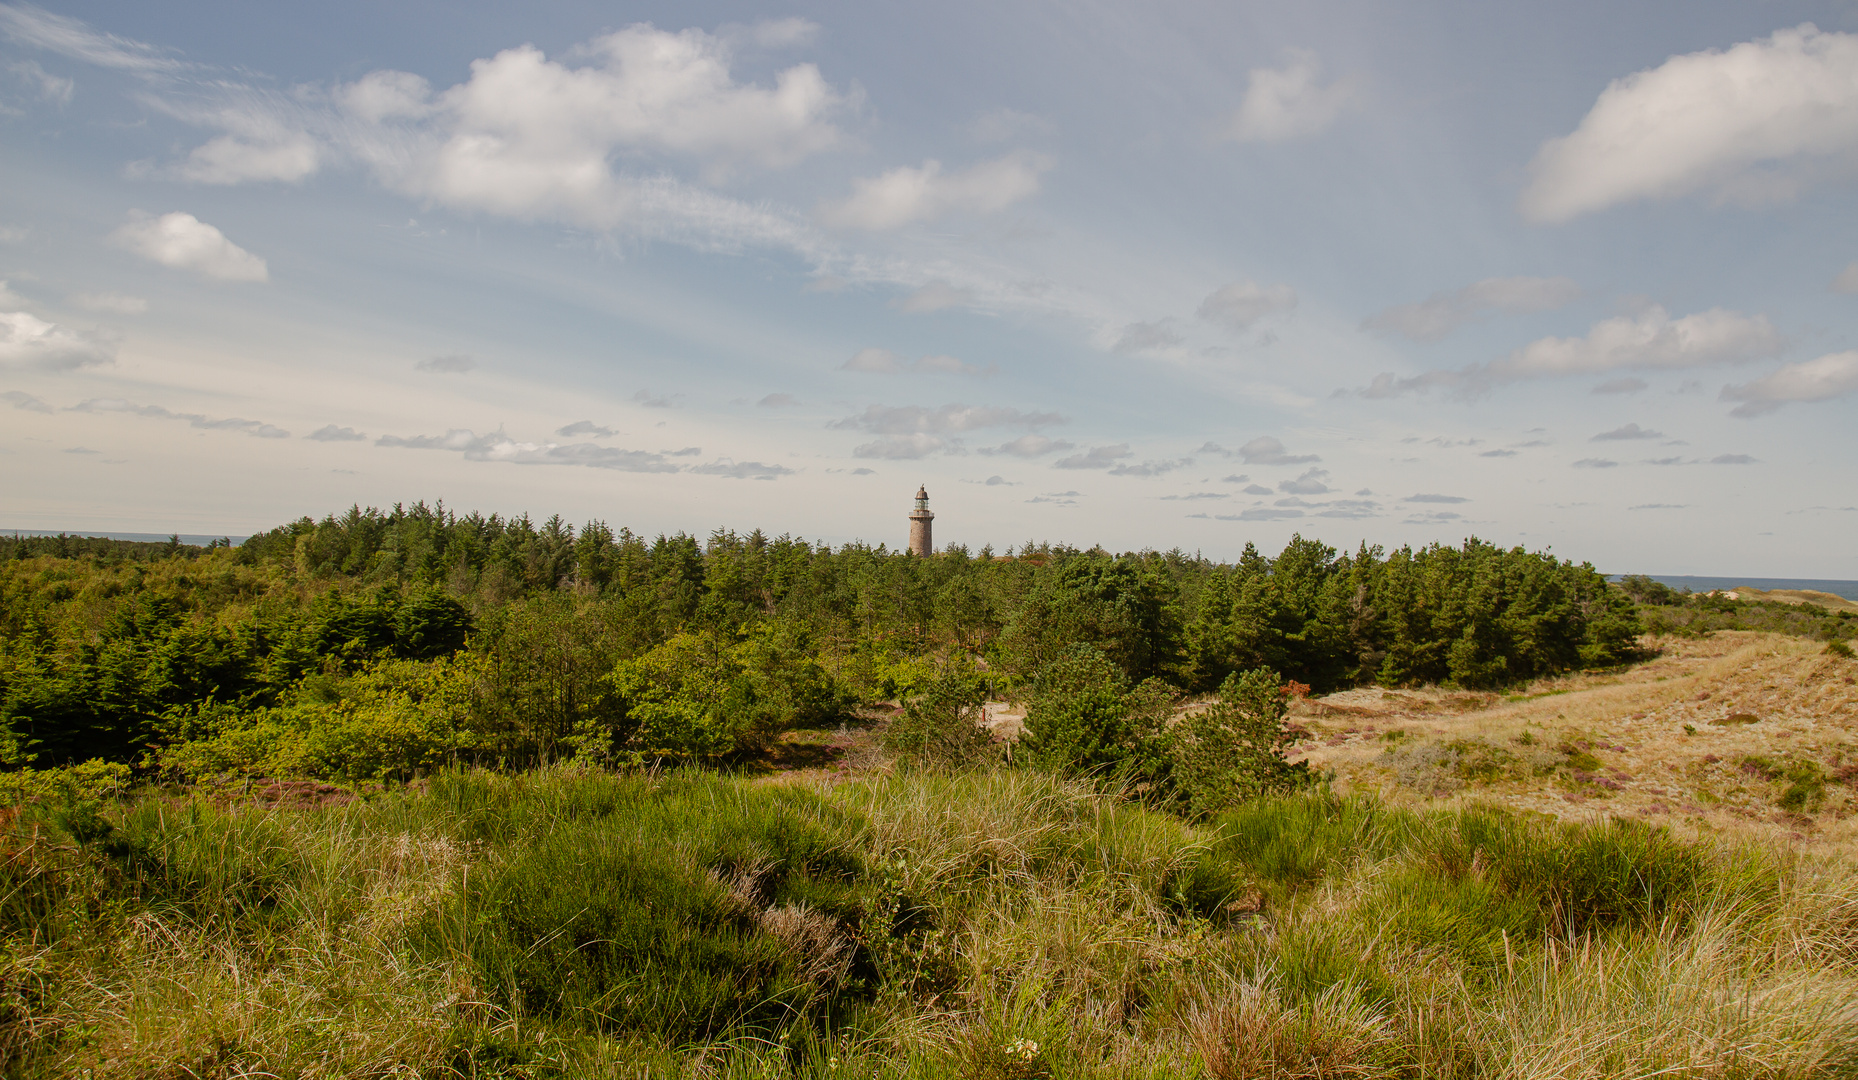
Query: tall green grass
point(996, 924)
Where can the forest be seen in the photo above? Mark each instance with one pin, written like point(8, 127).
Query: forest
point(413, 793)
point(381, 644)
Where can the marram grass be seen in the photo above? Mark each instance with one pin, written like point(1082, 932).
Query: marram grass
point(997, 925)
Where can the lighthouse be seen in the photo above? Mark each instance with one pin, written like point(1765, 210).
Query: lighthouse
point(920, 543)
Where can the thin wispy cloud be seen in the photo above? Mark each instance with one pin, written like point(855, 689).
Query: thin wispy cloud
point(1443, 312)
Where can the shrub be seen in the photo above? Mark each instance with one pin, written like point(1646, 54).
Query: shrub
point(86, 781)
point(1084, 719)
point(430, 624)
point(1234, 750)
point(1806, 786)
point(394, 719)
point(688, 699)
point(943, 725)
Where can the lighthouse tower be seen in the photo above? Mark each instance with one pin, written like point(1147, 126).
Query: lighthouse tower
point(920, 543)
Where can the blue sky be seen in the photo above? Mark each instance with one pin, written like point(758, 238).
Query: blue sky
point(1576, 276)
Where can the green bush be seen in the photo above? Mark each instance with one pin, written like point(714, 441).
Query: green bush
point(395, 719)
point(689, 699)
point(1083, 718)
point(1234, 750)
point(943, 725)
point(88, 780)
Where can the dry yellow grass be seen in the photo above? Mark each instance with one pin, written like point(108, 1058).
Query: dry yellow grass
point(1829, 601)
point(1671, 740)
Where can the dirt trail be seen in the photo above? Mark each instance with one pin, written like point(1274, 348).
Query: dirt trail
point(1741, 733)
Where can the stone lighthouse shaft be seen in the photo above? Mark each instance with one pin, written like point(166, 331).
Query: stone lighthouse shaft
point(920, 541)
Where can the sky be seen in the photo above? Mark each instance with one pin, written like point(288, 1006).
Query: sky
point(1578, 277)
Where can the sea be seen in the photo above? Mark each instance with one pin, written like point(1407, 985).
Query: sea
point(1847, 589)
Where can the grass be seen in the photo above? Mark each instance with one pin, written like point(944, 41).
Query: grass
point(1663, 741)
point(999, 924)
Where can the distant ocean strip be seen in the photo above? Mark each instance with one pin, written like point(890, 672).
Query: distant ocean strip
point(196, 539)
point(1847, 589)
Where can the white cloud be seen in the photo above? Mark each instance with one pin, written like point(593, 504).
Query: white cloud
point(22, 400)
point(1237, 306)
point(1288, 102)
point(1627, 385)
point(1443, 312)
point(29, 341)
point(1650, 340)
point(1830, 376)
point(381, 96)
point(496, 446)
point(876, 361)
point(333, 433)
point(1310, 483)
point(905, 447)
point(1847, 281)
point(1433, 498)
point(741, 470)
point(585, 427)
point(919, 419)
point(525, 136)
point(54, 88)
point(456, 364)
point(110, 303)
point(935, 296)
point(70, 37)
point(1097, 457)
point(530, 136)
point(1629, 431)
point(1756, 121)
point(13, 234)
point(1150, 468)
point(1029, 446)
point(906, 195)
point(187, 243)
point(1266, 450)
point(884, 362)
point(1144, 337)
point(255, 428)
point(778, 401)
point(915, 431)
point(268, 152)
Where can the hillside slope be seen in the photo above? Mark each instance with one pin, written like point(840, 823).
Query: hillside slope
point(1737, 733)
